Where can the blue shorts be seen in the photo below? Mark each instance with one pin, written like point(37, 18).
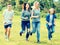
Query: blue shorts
point(6, 26)
point(25, 24)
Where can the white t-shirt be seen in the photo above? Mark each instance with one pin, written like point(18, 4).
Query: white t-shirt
point(7, 16)
point(51, 17)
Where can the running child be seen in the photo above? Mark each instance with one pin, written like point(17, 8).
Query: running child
point(8, 17)
point(25, 23)
point(50, 22)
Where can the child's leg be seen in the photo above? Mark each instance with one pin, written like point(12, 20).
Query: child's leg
point(8, 33)
point(27, 34)
point(52, 28)
point(5, 26)
point(8, 29)
point(33, 27)
point(23, 28)
point(49, 35)
point(5, 33)
point(28, 30)
point(38, 32)
point(49, 32)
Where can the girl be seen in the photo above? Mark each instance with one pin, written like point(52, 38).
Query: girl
point(25, 20)
point(50, 22)
point(8, 16)
point(36, 20)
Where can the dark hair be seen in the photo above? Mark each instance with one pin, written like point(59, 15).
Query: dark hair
point(25, 6)
point(53, 10)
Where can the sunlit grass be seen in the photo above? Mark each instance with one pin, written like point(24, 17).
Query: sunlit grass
point(15, 39)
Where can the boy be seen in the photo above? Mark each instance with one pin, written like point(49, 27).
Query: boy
point(8, 16)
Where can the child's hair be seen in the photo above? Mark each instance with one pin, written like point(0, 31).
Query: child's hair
point(9, 4)
point(52, 9)
point(25, 6)
point(34, 4)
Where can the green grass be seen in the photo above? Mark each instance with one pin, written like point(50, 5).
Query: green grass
point(15, 39)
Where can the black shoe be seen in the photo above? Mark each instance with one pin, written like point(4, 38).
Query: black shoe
point(27, 39)
point(31, 33)
point(38, 41)
point(20, 34)
point(51, 36)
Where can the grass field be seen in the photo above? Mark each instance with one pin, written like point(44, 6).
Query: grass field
point(15, 39)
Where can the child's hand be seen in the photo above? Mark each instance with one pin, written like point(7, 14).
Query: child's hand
point(49, 24)
point(10, 19)
point(26, 17)
point(34, 17)
point(5, 23)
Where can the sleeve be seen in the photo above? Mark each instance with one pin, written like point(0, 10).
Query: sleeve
point(4, 12)
point(22, 16)
point(13, 13)
point(39, 13)
point(47, 18)
point(55, 16)
point(30, 13)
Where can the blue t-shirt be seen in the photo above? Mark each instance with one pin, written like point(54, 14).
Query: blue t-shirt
point(25, 14)
point(36, 13)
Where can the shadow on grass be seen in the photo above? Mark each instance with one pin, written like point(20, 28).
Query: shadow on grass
point(42, 42)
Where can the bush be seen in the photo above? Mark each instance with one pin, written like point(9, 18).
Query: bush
point(0, 7)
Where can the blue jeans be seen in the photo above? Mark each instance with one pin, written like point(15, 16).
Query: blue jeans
point(24, 25)
point(50, 31)
point(36, 28)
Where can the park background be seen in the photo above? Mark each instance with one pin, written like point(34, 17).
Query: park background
point(15, 39)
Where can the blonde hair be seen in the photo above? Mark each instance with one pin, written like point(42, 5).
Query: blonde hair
point(52, 9)
point(35, 4)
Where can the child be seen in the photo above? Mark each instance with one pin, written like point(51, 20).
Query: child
point(8, 16)
point(36, 20)
point(25, 20)
point(50, 20)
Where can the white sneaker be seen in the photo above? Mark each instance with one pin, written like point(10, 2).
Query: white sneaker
point(7, 39)
point(5, 36)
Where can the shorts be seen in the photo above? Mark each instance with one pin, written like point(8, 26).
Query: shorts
point(6, 26)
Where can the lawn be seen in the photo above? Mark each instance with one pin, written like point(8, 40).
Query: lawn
point(15, 39)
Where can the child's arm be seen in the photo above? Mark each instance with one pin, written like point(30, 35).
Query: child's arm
point(22, 17)
point(55, 19)
point(32, 16)
point(47, 19)
point(35, 17)
point(12, 16)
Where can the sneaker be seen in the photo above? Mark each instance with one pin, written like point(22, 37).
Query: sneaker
point(51, 36)
point(31, 33)
point(20, 34)
point(5, 36)
point(7, 39)
point(27, 39)
point(38, 41)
